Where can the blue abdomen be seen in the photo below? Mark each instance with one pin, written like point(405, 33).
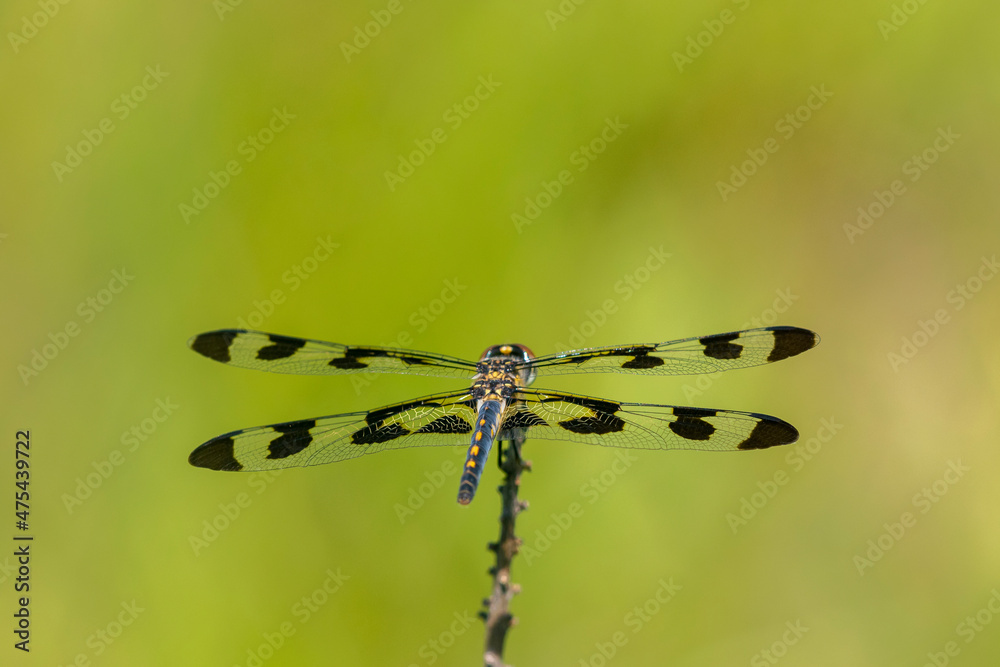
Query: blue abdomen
point(487, 425)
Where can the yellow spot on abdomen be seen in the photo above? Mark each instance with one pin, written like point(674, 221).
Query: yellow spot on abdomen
point(474, 450)
point(470, 464)
point(479, 436)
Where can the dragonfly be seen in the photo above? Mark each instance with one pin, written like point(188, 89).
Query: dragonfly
point(499, 405)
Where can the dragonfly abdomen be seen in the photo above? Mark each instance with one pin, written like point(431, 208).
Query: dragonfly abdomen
point(487, 426)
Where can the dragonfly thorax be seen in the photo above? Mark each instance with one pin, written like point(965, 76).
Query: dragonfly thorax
point(494, 385)
point(512, 358)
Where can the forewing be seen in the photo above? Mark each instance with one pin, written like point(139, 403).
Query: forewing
point(690, 356)
point(557, 416)
point(301, 356)
point(437, 420)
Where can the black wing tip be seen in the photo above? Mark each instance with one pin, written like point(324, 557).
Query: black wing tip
point(769, 432)
point(215, 344)
point(791, 341)
point(795, 331)
point(215, 333)
point(216, 454)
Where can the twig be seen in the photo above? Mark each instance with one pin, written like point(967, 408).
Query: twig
point(496, 612)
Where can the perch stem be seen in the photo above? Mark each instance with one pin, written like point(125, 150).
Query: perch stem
point(496, 612)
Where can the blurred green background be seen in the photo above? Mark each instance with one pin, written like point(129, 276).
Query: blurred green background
point(228, 160)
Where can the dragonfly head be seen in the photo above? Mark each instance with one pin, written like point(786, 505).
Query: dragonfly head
point(512, 352)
